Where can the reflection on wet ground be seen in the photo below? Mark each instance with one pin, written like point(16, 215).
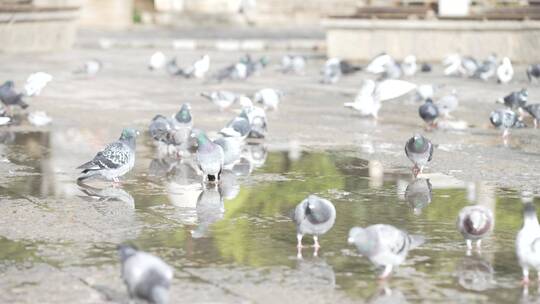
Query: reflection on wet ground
point(241, 232)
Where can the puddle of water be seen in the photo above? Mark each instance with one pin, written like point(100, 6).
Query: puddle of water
point(246, 225)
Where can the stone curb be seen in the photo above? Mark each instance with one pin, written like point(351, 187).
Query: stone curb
point(210, 44)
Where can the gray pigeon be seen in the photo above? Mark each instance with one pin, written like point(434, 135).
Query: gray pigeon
point(429, 113)
point(239, 127)
point(222, 99)
point(293, 64)
point(232, 147)
point(146, 276)
point(534, 111)
point(504, 119)
point(475, 223)
point(469, 66)
point(384, 245)
point(487, 69)
point(181, 124)
point(236, 71)
point(419, 150)
point(515, 100)
point(115, 160)
point(256, 116)
point(331, 71)
point(418, 194)
point(160, 129)
point(209, 156)
point(254, 67)
point(528, 242)
point(315, 216)
point(533, 72)
point(9, 97)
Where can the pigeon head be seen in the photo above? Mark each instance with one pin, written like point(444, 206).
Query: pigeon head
point(129, 133)
point(418, 144)
point(264, 61)
point(529, 212)
point(184, 114)
point(9, 84)
point(200, 136)
point(524, 93)
point(359, 237)
point(316, 211)
point(429, 100)
point(125, 251)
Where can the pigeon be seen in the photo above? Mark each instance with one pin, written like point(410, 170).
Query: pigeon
point(392, 70)
point(36, 82)
point(160, 129)
point(115, 160)
point(528, 242)
point(384, 245)
point(487, 69)
point(157, 61)
point(429, 113)
point(377, 65)
point(348, 68)
point(231, 150)
point(39, 118)
point(515, 100)
point(253, 67)
point(239, 127)
point(223, 99)
point(448, 104)
point(505, 71)
point(504, 119)
point(237, 71)
point(256, 116)
point(475, 223)
point(452, 65)
point(10, 97)
point(314, 216)
point(209, 156)
point(210, 209)
point(146, 276)
point(331, 71)
point(409, 66)
point(293, 64)
point(469, 66)
point(256, 153)
point(419, 150)
point(181, 124)
point(534, 111)
point(198, 69)
point(418, 194)
point(533, 72)
point(90, 67)
point(172, 67)
point(426, 68)
point(269, 98)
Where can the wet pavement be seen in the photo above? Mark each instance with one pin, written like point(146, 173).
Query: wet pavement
point(238, 244)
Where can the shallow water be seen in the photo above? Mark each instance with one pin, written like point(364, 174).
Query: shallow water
point(243, 234)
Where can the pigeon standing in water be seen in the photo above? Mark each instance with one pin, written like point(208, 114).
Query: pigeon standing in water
point(115, 160)
point(528, 242)
point(222, 99)
point(270, 98)
point(314, 216)
point(10, 97)
point(534, 111)
point(146, 276)
point(409, 66)
point(429, 113)
point(505, 71)
point(504, 119)
point(36, 82)
point(418, 194)
point(448, 104)
point(533, 72)
point(209, 156)
point(475, 223)
point(419, 150)
point(384, 245)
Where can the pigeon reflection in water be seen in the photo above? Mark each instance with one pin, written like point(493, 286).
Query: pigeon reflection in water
point(475, 273)
point(418, 194)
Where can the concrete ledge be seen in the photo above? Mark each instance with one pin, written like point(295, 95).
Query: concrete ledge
point(361, 40)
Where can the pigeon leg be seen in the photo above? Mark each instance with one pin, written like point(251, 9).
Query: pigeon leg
point(469, 244)
point(316, 252)
point(386, 272)
point(506, 134)
point(415, 171)
point(316, 242)
point(299, 238)
point(479, 245)
point(299, 253)
point(535, 123)
point(525, 280)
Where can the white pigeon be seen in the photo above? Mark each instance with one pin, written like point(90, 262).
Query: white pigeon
point(528, 242)
point(409, 66)
point(4, 120)
point(157, 61)
point(452, 65)
point(505, 71)
point(90, 67)
point(379, 63)
point(199, 68)
point(39, 118)
point(270, 98)
point(425, 91)
point(36, 82)
point(393, 88)
point(448, 104)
